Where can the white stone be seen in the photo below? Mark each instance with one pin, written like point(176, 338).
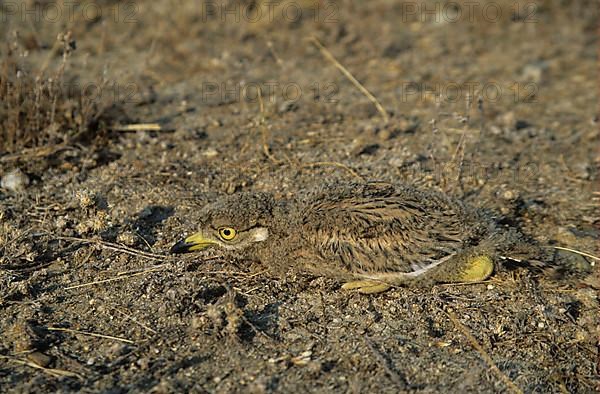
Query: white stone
point(15, 180)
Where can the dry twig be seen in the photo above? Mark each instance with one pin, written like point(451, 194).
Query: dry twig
point(263, 130)
point(591, 256)
point(121, 276)
point(486, 357)
point(137, 127)
point(118, 248)
point(90, 334)
point(351, 78)
point(57, 373)
point(128, 316)
point(397, 379)
point(335, 164)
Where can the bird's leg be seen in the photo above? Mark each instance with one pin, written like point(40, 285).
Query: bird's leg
point(476, 269)
point(471, 269)
point(366, 286)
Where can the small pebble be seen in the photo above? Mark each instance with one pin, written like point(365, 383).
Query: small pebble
point(210, 153)
point(40, 359)
point(534, 72)
point(508, 195)
point(396, 162)
point(15, 180)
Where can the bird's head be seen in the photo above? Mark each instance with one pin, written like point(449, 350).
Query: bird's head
point(234, 223)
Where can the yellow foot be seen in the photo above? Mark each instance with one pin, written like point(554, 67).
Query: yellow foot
point(476, 269)
point(366, 286)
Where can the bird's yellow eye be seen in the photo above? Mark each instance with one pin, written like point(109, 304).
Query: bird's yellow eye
point(227, 233)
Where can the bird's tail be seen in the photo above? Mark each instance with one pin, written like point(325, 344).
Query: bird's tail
point(515, 250)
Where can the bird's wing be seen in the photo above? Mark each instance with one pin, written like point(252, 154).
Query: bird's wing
point(375, 228)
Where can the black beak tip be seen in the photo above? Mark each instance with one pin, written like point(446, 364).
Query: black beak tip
point(180, 247)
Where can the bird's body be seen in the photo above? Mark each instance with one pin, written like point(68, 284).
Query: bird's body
point(376, 234)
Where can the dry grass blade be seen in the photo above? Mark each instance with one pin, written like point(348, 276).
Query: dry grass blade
point(129, 317)
point(57, 373)
point(121, 277)
point(158, 267)
point(35, 153)
point(486, 357)
point(263, 130)
point(381, 359)
point(351, 78)
point(118, 248)
point(334, 164)
point(138, 127)
point(37, 103)
point(591, 256)
point(91, 334)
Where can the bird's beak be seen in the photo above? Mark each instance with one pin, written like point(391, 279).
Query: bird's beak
point(192, 243)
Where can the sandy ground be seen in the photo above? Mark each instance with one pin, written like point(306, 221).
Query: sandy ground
point(496, 104)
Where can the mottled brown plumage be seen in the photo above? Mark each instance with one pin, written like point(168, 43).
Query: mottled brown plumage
point(372, 231)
